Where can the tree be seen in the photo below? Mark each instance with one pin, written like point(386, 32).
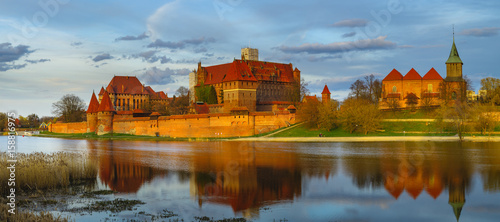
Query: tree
point(70, 108)
point(484, 119)
point(33, 120)
point(206, 94)
point(359, 115)
point(308, 112)
point(327, 115)
point(23, 121)
point(456, 118)
point(427, 101)
point(370, 89)
point(3, 121)
point(182, 91)
point(492, 87)
point(411, 100)
point(393, 104)
point(179, 104)
point(358, 89)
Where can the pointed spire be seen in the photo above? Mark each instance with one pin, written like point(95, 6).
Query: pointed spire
point(457, 209)
point(106, 105)
point(454, 57)
point(94, 104)
point(325, 90)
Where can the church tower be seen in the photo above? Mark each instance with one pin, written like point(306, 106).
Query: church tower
point(325, 95)
point(454, 65)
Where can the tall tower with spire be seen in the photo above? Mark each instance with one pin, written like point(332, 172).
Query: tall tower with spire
point(454, 64)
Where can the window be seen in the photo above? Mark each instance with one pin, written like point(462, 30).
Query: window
point(429, 87)
point(394, 89)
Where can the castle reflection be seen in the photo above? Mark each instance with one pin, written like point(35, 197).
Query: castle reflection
point(248, 176)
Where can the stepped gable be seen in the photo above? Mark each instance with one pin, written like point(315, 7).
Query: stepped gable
point(412, 75)
point(264, 71)
point(393, 75)
point(94, 104)
point(325, 90)
point(106, 105)
point(239, 70)
point(432, 75)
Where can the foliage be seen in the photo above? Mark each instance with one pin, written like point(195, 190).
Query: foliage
point(369, 89)
point(180, 103)
point(33, 120)
point(456, 118)
point(308, 112)
point(359, 115)
point(206, 94)
point(70, 108)
point(327, 115)
point(492, 87)
point(412, 100)
point(393, 104)
point(484, 119)
point(426, 101)
point(3, 121)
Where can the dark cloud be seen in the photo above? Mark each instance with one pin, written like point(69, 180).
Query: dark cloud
point(180, 44)
point(481, 32)
point(339, 47)
point(9, 55)
point(132, 38)
point(75, 44)
point(208, 54)
point(101, 57)
point(351, 23)
point(200, 50)
point(350, 34)
point(313, 58)
point(156, 76)
point(37, 61)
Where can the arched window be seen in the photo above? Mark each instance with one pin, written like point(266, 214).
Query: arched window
point(394, 89)
point(429, 87)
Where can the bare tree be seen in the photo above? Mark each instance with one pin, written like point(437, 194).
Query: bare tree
point(359, 115)
point(70, 108)
point(327, 119)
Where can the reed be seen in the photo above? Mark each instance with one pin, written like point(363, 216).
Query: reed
point(22, 216)
point(41, 171)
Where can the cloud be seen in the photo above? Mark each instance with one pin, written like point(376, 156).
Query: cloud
point(378, 43)
point(75, 44)
point(101, 57)
point(132, 38)
point(9, 55)
point(156, 76)
point(481, 32)
point(351, 23)
point(150, 57)
point(350, 34)
point(37, 61)
point(180, 44)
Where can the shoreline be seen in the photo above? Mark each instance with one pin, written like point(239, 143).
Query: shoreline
point(372, 139)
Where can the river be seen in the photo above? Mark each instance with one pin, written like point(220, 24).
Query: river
point(273, 181)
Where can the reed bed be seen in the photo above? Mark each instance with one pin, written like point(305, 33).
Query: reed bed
point(23, 216)
point(41, 171)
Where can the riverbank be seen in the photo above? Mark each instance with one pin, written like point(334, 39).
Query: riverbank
point(372, 139)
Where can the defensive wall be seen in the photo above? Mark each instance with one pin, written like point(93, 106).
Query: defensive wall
point(194, 125)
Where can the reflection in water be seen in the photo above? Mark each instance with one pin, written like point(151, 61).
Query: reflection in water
point(248, 176)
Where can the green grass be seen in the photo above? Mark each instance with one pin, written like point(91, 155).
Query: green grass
point(407, 114)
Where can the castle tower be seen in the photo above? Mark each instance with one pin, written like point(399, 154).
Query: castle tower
point(325, 95)
point(296, 75)
point(92, 114)
point(105, 115)
point(250, 54)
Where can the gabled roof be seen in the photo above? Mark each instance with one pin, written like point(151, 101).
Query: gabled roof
point(412, 75)
point(393, 75)
point(310, 98)
point(265, 71)
point(106, 105)
point(215, 74)
point(202, 108)
point(102, 91)
point(432, 75)
point(125, 85)
point(325, 90)
point(454, 57)
point(93, 105)
point(239, 70)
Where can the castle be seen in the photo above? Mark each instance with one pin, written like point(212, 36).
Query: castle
point(253, 97)
point(400, 91)
point(249, 83)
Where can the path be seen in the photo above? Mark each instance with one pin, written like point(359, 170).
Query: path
point(286, 128)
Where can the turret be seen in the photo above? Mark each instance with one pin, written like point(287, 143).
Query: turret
point(296, 75)
point(454, 65)
point(92, 114)
point(325, 95)
point(105, 115)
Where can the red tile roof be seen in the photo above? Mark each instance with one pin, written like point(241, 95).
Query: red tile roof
point(155, 114)
point(412, 75)
point(393, 75)
point(202, 109)
point(325, 90)
point(248, 70)
point(106, 105)
point(291, 107)
point(125, 85)
point(432, 75)
point(94, 104)
point(239, 70)
point(102, 91)
point(309, 98)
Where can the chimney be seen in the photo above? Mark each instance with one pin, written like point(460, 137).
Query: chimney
point(123, 89)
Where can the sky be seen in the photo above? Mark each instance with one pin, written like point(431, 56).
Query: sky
point(49, 48)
